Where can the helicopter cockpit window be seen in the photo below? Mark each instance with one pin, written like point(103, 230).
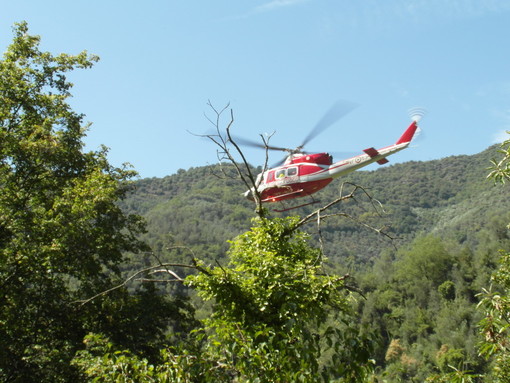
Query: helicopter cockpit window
point(291, 172)
point(280, 173)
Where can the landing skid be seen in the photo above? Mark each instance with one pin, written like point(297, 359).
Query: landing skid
point(296, 207)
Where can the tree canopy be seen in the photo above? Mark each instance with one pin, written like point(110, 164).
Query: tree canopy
point(62, 233)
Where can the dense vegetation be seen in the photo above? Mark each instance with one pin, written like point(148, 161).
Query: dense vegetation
point(62, 234)
point(173, 279)
point(448, 223)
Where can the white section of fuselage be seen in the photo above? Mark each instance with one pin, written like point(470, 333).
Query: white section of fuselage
point(349, 165)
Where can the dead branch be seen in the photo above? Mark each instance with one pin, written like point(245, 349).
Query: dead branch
point(242, 168)
point(352, 195)
point(146, 270)
point(320, 217)
point(161, 267)
point(318, 212)
point(170, 272)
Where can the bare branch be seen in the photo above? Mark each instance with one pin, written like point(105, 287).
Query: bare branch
point(172, 273)
point(145, 280)
point(242, 168)
point(134, 276)
point(320, 217)
point(326, 207)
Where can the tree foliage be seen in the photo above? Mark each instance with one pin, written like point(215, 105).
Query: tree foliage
point(500, 170)
point(495, 301)
point(277, 316)
point(270, 306)
point(448, 225)
point(62, 233)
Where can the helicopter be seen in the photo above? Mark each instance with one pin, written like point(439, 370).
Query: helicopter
point(302, 174)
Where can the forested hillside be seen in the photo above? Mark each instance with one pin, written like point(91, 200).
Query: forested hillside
point(449, 198)
point(447, 221)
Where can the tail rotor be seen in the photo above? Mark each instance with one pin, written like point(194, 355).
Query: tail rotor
point(417, 113)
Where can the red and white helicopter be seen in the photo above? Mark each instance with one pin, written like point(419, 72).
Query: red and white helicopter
point(303, 174)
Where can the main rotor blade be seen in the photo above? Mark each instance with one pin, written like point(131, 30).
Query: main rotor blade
point(337, 111)
point(255, 144)
point(279, 163)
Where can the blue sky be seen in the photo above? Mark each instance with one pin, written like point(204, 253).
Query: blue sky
point(280, 64)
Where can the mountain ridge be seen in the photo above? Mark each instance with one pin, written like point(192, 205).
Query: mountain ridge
point(445, 197)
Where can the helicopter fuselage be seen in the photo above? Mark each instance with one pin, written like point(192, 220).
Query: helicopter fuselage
point(305, 174)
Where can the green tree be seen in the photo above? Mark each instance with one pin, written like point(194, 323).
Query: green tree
point(271, 303)
point(495, 304)
point(103, 361)
point(277, 317)
point(62, 234)
point(495, 326)
point(500, 170)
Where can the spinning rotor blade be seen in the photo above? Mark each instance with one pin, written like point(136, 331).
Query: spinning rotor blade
point(337, 111)
point(279, 163)
point(255, 144)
